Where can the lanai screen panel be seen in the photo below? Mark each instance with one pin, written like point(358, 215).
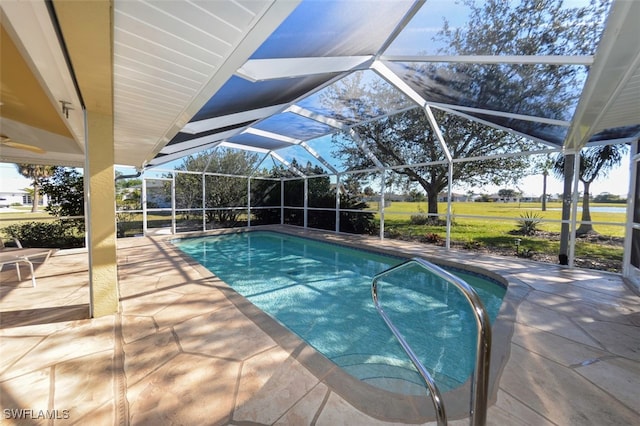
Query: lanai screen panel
point(426, 34)
point(361, 96)
point(335, 28)
point(520, 94)
point(294, 126)
point(303, 160)
point(626, 132)
point(552, 134)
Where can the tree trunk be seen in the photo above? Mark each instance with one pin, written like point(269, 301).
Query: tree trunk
point(432, 206)
point(585, 228)
point(36, 198)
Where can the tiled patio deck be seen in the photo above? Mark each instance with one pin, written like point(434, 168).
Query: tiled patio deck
point(187, 350)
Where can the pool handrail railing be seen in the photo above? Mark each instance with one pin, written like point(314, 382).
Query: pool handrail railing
point(480, 384)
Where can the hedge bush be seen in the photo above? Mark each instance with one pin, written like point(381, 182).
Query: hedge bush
point(58, 234)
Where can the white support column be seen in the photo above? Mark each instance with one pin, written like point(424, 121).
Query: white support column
point(449, 208)
point(281, 201)
point(634, 158)
point(381, 206)
point(144, 207)
point(204, 203)
point(338, 202)
point(173, 203)
point(249, 201)
point(574, 208)
point(306, 202)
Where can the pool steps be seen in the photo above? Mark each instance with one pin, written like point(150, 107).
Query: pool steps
point(480, 385)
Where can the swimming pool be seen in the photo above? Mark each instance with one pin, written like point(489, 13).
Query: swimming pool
point(322, 292)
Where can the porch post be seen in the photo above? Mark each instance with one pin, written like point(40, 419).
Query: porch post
point(100, 214)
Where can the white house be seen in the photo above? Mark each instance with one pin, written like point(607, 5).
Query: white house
point(13, 196)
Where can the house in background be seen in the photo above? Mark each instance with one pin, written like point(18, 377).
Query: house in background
point(455, 197)
point(18, 197)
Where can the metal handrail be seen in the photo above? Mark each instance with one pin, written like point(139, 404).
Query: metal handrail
point(480, 384)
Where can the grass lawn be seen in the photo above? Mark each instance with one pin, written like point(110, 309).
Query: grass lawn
point(503, 217)
point(495, 228)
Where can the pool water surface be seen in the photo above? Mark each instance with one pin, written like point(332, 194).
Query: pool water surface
point(322, 292)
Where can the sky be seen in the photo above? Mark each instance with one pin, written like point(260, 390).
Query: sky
point(615, 183)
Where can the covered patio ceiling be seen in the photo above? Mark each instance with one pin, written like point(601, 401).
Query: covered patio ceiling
point(191, 76)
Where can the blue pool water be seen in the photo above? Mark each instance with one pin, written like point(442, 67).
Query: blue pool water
point(322, 292)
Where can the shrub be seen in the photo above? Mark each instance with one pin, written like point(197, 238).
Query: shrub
point(57, 234)
point(528, 223)
point(420, 219)
point(433, 238)
point(392, 233)
point(472, 245)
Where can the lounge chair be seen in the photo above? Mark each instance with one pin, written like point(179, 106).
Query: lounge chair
point(18, 254)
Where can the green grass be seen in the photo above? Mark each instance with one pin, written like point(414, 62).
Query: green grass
point(494, 228)
point(502, 216)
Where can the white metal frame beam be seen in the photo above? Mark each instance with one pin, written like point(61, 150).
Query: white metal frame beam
point(200, 126)
point(495, 59)
point(273, 69)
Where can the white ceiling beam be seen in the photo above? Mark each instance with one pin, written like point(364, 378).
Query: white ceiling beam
point(226, 144)
point(293, 141)
point(231, 119)
point(180, 146)
point(551, 121)
point(318, 157)
point(303, 112)
point(271, 135)
point(495, 59)
point(180, 154)
point(494, 125)
point(436, 129)
point(392, 78)
point(286, 163)
point(279, 68)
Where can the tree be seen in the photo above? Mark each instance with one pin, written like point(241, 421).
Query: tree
point(544, 166)
point(495, 27)
point(36, 173)
point(221, 190)
point(407, 138)
point(595, 162)
point(605, 197)
point(351, 185)
point(507, 194)
point(321, 195)
point(415, 196)
point(65, 189)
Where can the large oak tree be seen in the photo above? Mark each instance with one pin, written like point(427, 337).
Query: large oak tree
point(494, 27)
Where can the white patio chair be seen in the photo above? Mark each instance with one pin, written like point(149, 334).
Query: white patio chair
point(11, 255)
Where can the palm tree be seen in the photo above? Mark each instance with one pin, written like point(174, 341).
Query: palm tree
point(595, 162)
point(543, 166)
point(36, 173)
